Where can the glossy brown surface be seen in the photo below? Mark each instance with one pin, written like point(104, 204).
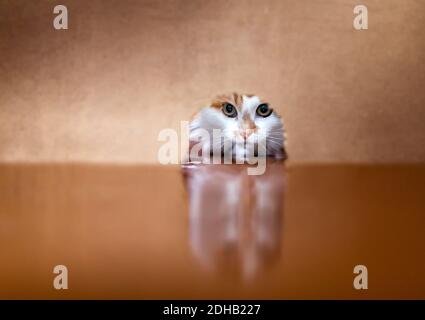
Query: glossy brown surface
point(212, 232)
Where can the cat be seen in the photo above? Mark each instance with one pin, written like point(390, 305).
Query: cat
point(249, 127)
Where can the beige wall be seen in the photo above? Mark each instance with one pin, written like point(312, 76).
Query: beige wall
point(102, 90)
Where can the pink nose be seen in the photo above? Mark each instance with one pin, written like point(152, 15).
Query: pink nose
point(246, 133)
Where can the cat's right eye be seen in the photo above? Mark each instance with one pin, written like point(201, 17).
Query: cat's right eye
point(229, 110)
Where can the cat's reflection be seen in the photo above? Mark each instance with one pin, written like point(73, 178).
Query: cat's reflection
point(235, 219)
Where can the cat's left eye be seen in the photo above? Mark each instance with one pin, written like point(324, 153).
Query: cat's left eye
point(264, 110)
point(229, 110)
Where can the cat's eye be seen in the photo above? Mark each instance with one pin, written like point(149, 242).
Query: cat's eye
point(229, 110)
point(264, 110)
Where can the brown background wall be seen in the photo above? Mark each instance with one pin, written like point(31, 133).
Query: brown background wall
point(102, 90)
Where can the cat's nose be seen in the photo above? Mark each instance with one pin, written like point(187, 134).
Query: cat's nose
point(246, 133)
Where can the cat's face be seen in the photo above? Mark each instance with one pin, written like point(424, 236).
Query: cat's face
point(245, 120)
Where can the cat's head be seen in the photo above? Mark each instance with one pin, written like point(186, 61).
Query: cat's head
point(245, 119)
